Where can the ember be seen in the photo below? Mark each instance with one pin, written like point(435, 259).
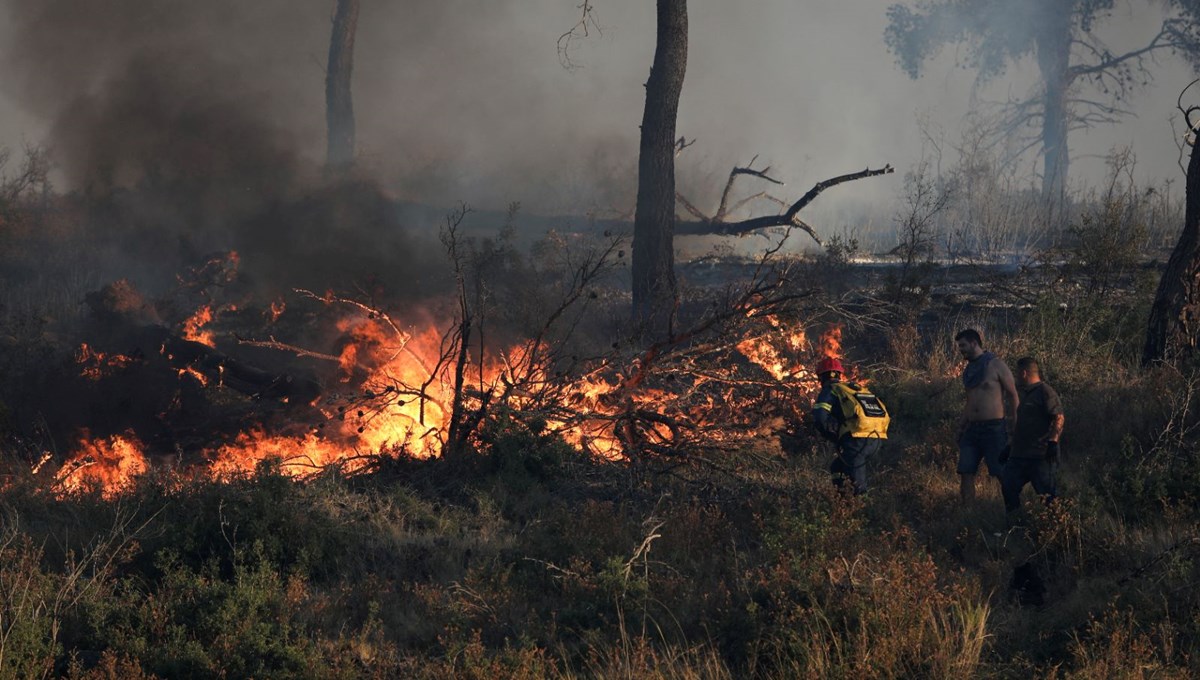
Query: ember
point(97, 365)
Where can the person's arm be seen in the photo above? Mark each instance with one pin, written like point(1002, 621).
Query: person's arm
point(824, 417)
point(1054, 409)
point(1009, 387)
point(1056, 427)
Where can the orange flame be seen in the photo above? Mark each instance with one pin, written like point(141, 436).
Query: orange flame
point(403, 394)
point(297, 457)
point(830, 345)
point(192, 328)
point(387, 413)
point(195, 374)
point(107, 464)
point(831, 342)
point(776, 352)
point(97, 365)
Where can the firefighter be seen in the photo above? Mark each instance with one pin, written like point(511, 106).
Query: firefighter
point(855, 420)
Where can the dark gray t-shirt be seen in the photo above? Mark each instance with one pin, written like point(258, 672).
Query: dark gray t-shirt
point(1039, 403)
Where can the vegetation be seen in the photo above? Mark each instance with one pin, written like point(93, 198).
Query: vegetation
point(527, 559)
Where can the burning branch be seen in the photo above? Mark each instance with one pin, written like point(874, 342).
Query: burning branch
point(699, 410)
point(274, 344)
point(371, 312)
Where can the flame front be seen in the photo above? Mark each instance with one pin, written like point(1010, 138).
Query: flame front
point(778, 351)
point(107, 464)
point(398, 390)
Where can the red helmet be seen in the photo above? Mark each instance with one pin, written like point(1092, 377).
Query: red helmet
point(829, 365)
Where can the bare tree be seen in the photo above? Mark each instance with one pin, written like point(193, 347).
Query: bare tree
point(925, 198)
point(339, 104)
point(1171, 333)
point(30, 178)
point(1061, 35)
point(654, 222)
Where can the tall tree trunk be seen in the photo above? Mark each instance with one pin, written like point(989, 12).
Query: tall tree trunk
point(1175, 317)
point(654, 222)
point(1054, 61)
point(339, 104)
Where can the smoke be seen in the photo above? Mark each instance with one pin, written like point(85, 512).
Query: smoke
point(215, 109)
point(164, 91)
point(187, 127)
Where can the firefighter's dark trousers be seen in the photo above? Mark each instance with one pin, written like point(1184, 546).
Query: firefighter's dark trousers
point(850, 466)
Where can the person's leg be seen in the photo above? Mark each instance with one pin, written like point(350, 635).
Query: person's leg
point(1012, 481)
point(968, 464)
point(1043, 480)
point(966, 488)
point(857, 452)
point(839, 469)
point(992, 441)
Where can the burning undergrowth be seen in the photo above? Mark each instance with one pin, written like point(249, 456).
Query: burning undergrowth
point(214, 379)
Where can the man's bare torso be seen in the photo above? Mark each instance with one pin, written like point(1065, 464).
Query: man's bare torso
point(985, 401)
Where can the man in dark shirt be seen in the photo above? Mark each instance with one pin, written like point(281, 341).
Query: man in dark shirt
point(1035, 440)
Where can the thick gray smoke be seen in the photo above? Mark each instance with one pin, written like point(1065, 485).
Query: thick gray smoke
point(135, 91)
point(187, 127)
point(461, 100)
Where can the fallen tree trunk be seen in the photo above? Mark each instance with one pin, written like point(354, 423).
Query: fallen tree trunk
point(229, 372)
point(129, 322)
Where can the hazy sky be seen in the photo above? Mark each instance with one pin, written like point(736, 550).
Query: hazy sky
point(461, 100)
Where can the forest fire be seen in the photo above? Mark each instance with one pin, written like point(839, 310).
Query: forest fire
point(830, 347)
point(830, 343)
point(415, 390)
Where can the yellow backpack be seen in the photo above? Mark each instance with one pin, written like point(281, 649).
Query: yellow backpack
point(864, 413)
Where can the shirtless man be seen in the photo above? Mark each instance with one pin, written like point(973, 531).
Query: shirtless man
point(983, 432)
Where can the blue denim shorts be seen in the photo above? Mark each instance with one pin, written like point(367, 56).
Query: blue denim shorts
point(983, 440)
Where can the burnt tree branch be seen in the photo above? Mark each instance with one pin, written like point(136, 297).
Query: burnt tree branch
point(787, 218)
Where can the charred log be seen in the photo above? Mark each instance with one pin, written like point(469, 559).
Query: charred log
point(229, 372)
point(130, 324)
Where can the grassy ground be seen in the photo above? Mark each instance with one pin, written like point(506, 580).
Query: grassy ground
point(527, 561)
